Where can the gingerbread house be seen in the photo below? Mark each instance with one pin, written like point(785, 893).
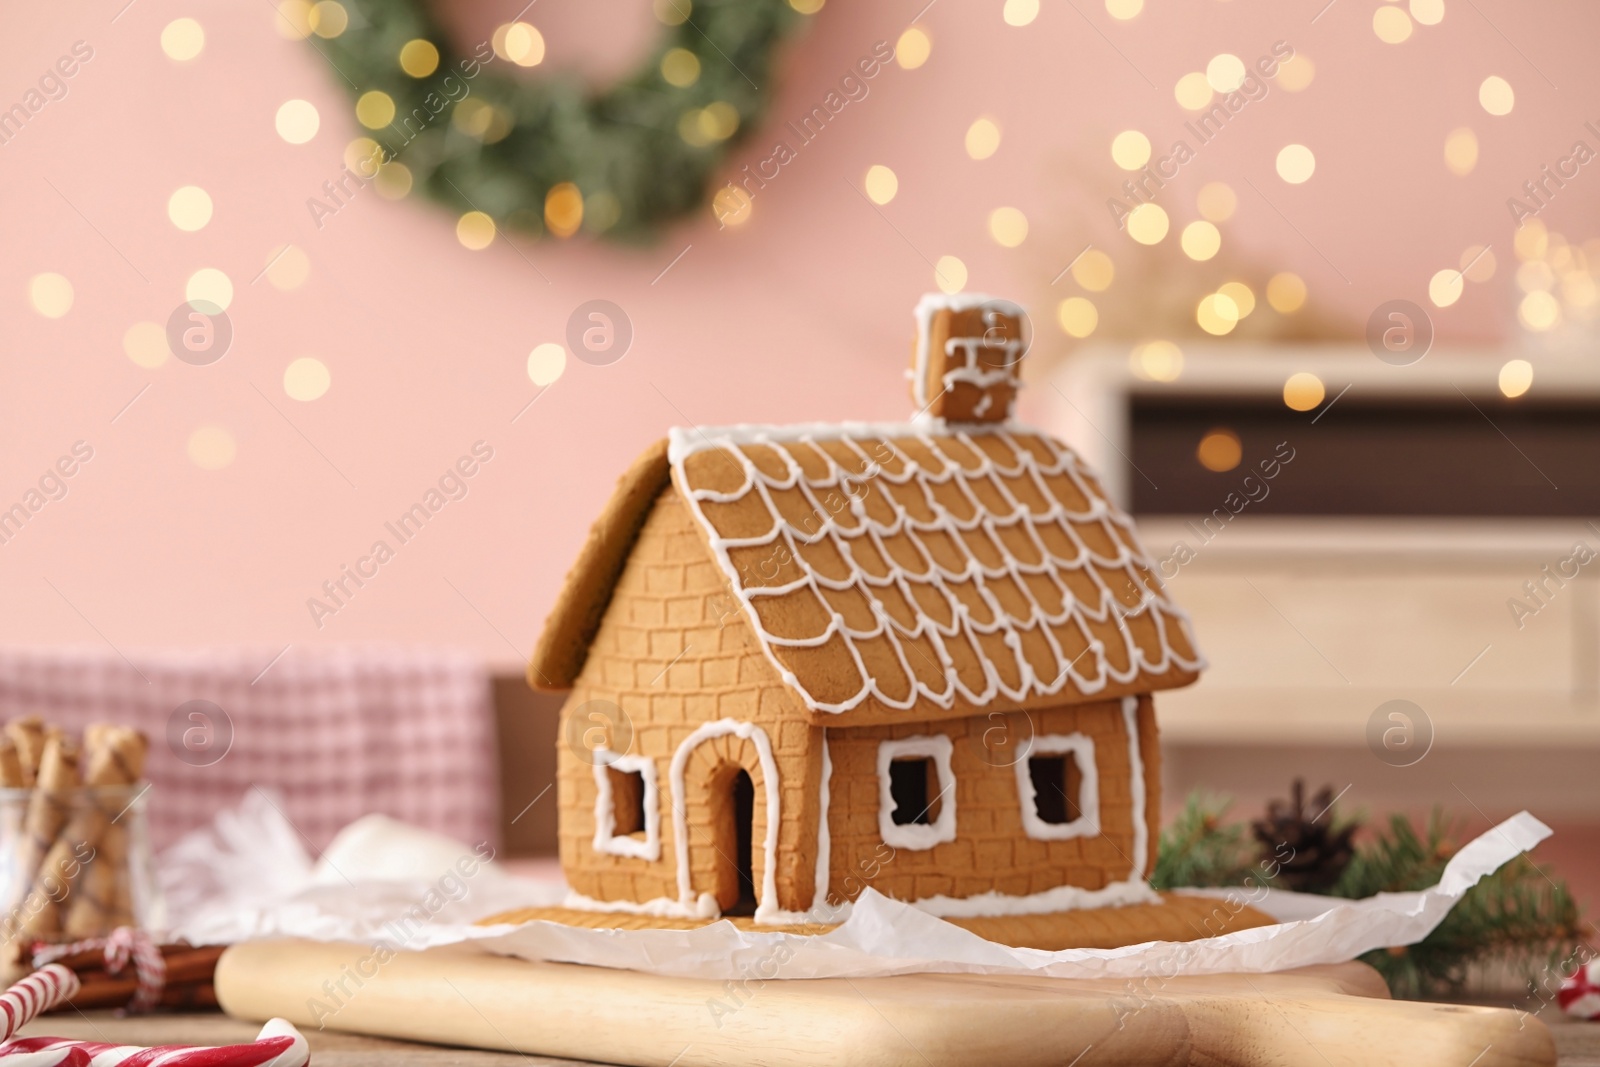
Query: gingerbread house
point(805, 660)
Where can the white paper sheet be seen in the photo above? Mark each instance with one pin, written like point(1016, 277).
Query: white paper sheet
point(880, 937)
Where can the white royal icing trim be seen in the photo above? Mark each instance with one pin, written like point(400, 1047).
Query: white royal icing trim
point(917, 836)
point(1080, 747)
point(1129, 559)
point(661, 907)
point(819, 896)
point(1141, 828)
point(767, 909)
point(1061, 898)
point(606, 839)
point(926, 308)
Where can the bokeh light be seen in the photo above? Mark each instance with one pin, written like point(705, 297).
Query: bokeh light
point(1156, 361)
point(1286, 292)
point(1008, 226)
point(1217, 201)
point(1219, 450)
point(297, 121)
point(183, 39)
point(1516, 378)
point(950, 274)
point(1496, 96)
point(1200, 240)
point(306, 378)
point(1296, 163)
point(1130, 149)
point(211, 448)
point(1303, 391)
point(1078, 316)
point(1147, 223)
point(881, 184)
point(189, 208)
point(1094, 271)
point(50, 294)
point(546, 363)
point(913, 48)
point(983, 139)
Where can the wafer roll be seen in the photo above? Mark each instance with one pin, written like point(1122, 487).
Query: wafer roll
point(27, 734)
point(48, 811)
point(103, 899)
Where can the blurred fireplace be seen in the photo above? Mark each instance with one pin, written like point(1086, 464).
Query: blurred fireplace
point(1382, 561)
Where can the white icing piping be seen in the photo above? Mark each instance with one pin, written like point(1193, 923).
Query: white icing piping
point(927, 307)
point(660, 907)
point(606, 838)
point(913, 836)
point(1061, 898)
point(1080, 748)
point(767, 906)
point(819, 897)
point(915, 479)
point(1141, 829)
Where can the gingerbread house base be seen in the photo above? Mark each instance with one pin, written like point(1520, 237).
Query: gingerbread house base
point(1177, 918)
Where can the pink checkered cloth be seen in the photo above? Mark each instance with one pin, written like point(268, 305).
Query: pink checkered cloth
point(337, 733)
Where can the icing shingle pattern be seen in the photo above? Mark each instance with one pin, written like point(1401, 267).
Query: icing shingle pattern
point(925, 565)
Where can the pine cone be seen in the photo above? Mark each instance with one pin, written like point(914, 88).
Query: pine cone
point(1299, 839)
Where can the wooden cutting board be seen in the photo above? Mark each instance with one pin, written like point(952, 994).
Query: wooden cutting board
point(1339, 1016)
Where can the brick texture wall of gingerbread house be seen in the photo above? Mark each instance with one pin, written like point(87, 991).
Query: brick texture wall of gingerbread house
point(808, 660)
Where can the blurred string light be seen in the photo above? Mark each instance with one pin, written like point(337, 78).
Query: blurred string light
point(1147, 223)
point(1193, 92)
point(546, 363)
point(1496, 96)
point(1216, 202)
point(294, 19)
point(189, 208)
point(1286, 293)
point(475, 230)
point(287, 268)
point(520, 42)
point(732, 206)
point(1094, 271)
point(1296, 72)
point(881, 183)
point(328, 18)
point(1078, 316)
point(1516, 378)
point(1216, 314)
point(1296, 163)
point(1200, 240)
point(297, 121)
point(1124, 9)
point(1428, 12)
point(950, 274)
point(209, 285)
point(183, 39)
point(50, 294)
point(1008, 226)
point(375, 109)
point(1478, 263)
point(672, 12)
point(1020, 12)
point(211, 448)
point(913, 48)
point(1303, 391)
point(1445, 288)
point(1219, 450)
point(1225, 73)
point(306, 379)
point(983, 139)
point(807, 7)
point(1461, 151)
point(1156, 361)
point(419, 58)
point(680, 67)
point(1391, 23)
point(1130, 149)
point(1244, 299)
point(146, 344)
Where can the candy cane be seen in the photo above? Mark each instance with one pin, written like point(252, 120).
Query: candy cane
point(278, 1045)
point(39, 992)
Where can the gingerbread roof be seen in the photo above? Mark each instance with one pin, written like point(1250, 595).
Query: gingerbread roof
point(910, 572)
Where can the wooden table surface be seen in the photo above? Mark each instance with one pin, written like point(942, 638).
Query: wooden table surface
point(1579, 1042)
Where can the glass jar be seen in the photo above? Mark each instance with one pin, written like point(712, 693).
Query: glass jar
point(75, 864)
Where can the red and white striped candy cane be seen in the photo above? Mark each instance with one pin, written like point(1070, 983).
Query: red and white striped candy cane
point(39, 992)
point(279, 1045)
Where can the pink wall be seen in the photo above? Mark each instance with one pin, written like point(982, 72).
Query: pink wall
point(803, 313)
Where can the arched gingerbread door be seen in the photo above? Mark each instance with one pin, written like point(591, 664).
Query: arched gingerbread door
point(725, 816)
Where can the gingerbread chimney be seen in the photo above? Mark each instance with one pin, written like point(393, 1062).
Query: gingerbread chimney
point(964, 363)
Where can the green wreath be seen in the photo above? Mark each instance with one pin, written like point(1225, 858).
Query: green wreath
point(479, 137)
